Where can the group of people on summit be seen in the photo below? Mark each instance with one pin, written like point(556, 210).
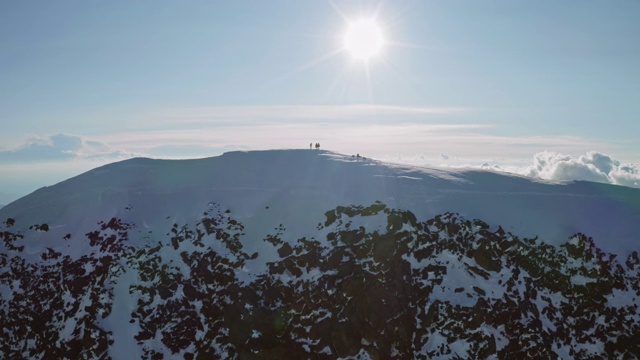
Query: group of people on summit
point(317, 145)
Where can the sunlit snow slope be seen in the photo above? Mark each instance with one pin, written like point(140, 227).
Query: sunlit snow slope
point(306, 253)
point(298, 186)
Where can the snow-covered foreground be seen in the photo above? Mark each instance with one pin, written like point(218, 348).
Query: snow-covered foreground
point(312, 254)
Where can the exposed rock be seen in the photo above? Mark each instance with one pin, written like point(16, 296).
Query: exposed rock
point(397, 291)
point(285, 250)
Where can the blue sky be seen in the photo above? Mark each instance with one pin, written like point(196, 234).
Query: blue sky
point(85, 83)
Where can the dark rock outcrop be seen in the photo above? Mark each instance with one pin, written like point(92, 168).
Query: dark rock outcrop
point(380, 284)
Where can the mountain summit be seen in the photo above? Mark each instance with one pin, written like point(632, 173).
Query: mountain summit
point(313, 254)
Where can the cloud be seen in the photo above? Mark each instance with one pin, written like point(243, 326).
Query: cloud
point(343, 137)
point(288, 114)
point(593, 166)
point(60, 147)
point(377, 130)
point(547, 165)
point(315, 112)
point(379, 140)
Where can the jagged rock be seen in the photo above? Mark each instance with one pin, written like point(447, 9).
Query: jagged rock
point(397, 291)
point(633, 261)
point(285, 250)
point(479, 291)
point(485, 257)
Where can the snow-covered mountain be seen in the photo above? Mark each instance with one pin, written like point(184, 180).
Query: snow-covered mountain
point(313, 254)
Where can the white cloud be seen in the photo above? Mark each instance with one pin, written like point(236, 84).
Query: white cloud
point(593, 166)
point(345, 137)
point(377, 140)
point(279, 114)
point(60, 147)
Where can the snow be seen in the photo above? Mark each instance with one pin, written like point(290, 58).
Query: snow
point(284, 193)
point(621, 299)
point(265, 187)
point(124, 304)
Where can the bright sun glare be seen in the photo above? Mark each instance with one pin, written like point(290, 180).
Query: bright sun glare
point(363, 39)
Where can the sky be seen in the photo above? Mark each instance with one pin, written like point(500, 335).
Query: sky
point(543, 88)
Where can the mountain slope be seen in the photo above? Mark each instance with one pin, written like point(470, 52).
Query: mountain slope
point(296, 182)
point(296, 254)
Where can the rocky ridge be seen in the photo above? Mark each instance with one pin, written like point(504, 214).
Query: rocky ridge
point(374, 282)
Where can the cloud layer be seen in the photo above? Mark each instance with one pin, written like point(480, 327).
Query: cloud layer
point(593, 166)
point(60, 147)
point(279, 114)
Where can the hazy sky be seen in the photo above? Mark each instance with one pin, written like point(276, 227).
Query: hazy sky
point(83, 83)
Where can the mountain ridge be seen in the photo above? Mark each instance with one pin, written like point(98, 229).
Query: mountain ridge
point(317, 180)
point(312, 254)
point(375, 283)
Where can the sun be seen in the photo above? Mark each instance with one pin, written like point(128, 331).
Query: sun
point(363, 39)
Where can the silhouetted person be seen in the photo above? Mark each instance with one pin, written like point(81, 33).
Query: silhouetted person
point(310, 146)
